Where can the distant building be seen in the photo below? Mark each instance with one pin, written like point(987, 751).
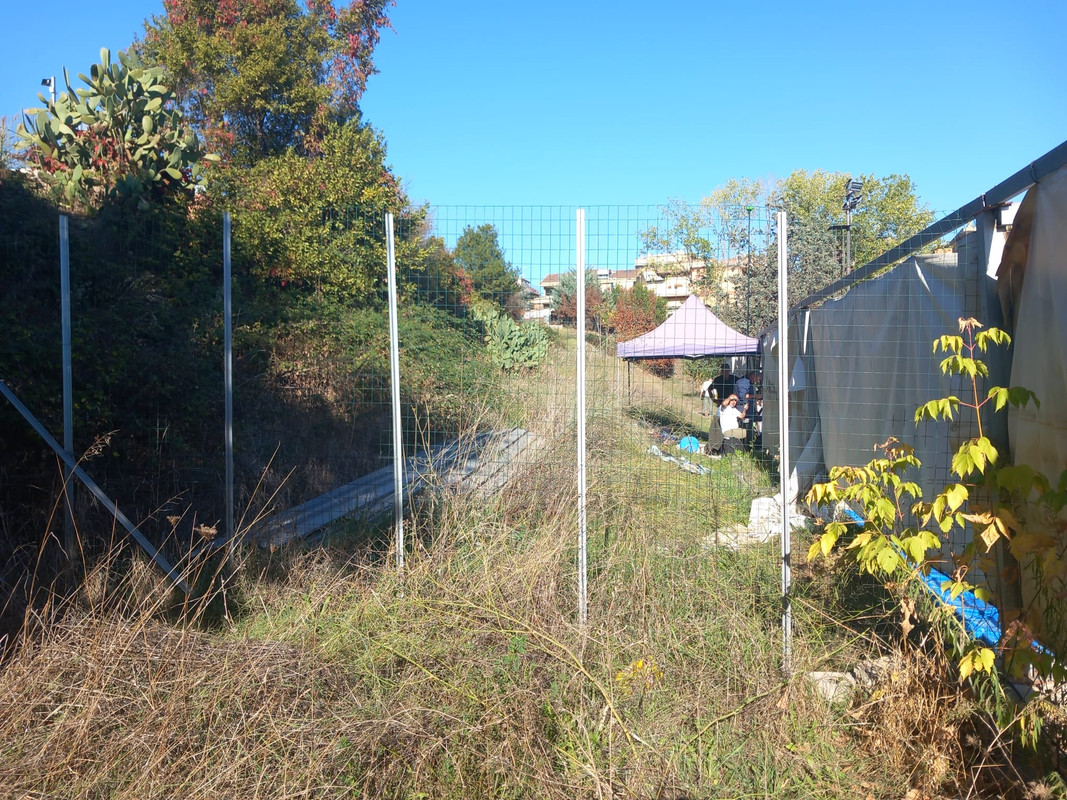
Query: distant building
point(527, 290)
point(550, 284)
point(622, 279)
point(672, 276)
point(675, 276)
point(538, 306)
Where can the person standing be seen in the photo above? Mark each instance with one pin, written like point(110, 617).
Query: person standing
point(723, 385)
point(745, 390)
point(707, 404)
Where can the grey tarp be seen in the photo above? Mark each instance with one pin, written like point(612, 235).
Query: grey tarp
point(1033, 275)
point(1039, 435)
point(861, 365)
point(690, 332)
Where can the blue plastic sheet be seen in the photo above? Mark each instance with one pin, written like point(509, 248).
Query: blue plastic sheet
point(980, 619)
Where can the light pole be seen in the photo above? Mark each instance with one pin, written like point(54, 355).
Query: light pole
point(853, 188)
point(748, 291)
point(51, 84)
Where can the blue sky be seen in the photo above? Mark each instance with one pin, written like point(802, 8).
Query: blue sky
point(507, 103)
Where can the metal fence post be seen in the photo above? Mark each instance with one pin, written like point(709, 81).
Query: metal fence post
point(394, 382)
point(69, 538)
point(783, 425)
point(582, 568)
point(227, 375)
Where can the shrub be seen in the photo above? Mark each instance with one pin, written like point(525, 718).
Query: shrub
point(512, 345)
point(1002, 504)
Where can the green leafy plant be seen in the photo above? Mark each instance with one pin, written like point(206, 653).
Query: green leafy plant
point(123, 134)
point(1005, 504)
point(316, 226)
point(512, 345)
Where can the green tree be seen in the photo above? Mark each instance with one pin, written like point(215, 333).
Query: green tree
point(687, 230)
point(430, 274)
point(259, 76)
point(639, 310)
point(317, 224)
point(478, 255)
point(889, 212)
point(120, 135)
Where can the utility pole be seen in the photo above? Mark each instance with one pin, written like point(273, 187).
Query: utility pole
point(852, 199)
point(748, 291)
point(51, 84)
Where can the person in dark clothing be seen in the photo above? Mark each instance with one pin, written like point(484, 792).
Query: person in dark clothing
point(723, 386)
point(747, 388)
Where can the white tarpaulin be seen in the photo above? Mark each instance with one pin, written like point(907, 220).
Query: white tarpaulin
point(1039, 435)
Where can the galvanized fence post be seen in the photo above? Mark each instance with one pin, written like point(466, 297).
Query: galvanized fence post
point(783, 426)
point(227, 374)
point(394, 383)
point(69, 539)
point(582, 555)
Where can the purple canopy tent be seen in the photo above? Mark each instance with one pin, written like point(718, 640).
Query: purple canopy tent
point(690, 332)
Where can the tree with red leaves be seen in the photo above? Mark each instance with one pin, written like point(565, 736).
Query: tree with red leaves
point(565, 301)
point(637, 311)
point(257, 77)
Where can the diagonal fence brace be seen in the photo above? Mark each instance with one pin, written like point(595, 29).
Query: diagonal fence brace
point(92, 486)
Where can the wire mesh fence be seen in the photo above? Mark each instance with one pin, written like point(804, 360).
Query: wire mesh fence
point(488, 323)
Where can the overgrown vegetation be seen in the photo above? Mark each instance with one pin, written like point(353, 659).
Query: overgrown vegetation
point(307, 185)
point(325, 672)
point(1001, 505)
point(466, 676)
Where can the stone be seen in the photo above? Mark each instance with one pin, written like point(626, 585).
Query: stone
point(835, 688)
point(869, 673)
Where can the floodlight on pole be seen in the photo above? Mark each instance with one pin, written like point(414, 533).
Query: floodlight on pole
point(51, 84)
point(853, 187)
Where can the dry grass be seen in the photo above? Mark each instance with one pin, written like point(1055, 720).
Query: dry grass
point(467, 676)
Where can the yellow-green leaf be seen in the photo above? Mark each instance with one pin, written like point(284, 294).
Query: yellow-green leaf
point(986, 659)
point(860, 540)
point(966, 667)
point(827, 542)
point(888, 560)
point(956, 495)
point(999, 396)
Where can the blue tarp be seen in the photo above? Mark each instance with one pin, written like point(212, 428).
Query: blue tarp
point(980, 619)
point(689, 444)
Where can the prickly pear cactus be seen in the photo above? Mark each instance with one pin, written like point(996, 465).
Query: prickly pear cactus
point(123, 134)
